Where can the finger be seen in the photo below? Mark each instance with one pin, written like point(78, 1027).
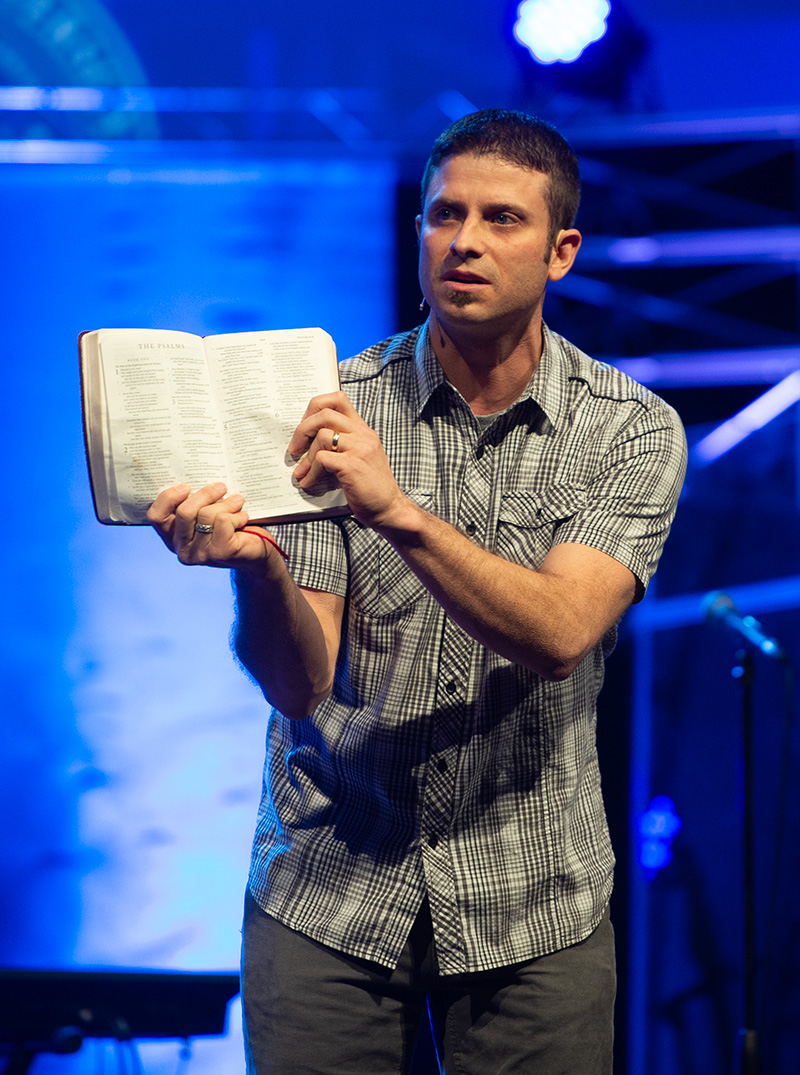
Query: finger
point(163, 507)
point(232, 544)
point(221, 541)
point(308, 428)
point(316, 433)
point(327, 440)
point(316, 418)
point(265, 535)
point(320, 469)
point(221, 520)
point(215, 522)
point(335, 401)
point(208, 501)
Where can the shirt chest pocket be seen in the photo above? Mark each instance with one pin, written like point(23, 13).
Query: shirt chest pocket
point(381, 583)
point(527, 521)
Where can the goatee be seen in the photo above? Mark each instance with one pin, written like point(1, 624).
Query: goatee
point(460, 298)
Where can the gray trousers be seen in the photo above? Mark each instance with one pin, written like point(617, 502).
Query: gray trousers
point(310, 1010)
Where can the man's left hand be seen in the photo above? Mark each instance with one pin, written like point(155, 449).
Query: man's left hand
point(332, 438)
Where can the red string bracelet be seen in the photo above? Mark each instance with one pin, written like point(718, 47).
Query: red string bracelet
point(266, 537)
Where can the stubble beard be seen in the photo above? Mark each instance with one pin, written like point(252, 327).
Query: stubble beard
point(460, 298)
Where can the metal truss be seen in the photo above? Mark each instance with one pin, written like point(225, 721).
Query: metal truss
point(659, 289)
point(692, 282)
point(692, 224)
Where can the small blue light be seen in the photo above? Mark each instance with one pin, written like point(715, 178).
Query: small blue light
point(654, 854)
point(559, 30)
point(657, 827)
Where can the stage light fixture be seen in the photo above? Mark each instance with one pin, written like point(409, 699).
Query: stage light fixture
point(557, 31)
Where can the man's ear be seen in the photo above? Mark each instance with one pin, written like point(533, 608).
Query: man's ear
point(418, 223)
point(565, 249)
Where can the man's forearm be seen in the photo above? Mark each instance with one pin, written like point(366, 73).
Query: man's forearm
point(546, 620)
point(279, 639)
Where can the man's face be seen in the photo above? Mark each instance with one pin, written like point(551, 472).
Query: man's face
point(485, 258)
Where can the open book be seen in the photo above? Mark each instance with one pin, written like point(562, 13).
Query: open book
point(162, 407)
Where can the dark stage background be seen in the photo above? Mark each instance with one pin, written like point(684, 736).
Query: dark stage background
point(223, 167)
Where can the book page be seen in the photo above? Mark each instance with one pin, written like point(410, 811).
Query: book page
point(264, 381)
point(95, 424)
point(163, 426)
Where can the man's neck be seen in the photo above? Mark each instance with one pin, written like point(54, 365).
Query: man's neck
point(490, 372)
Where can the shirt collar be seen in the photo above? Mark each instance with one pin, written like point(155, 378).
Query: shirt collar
point(545, 388)
point(429, 374)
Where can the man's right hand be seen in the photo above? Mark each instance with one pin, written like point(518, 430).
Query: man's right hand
point(206, 528)
point(287, 638)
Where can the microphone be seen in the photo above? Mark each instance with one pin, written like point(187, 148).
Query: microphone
point(720, 607)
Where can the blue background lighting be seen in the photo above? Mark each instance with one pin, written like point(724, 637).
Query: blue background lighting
point(220, 167)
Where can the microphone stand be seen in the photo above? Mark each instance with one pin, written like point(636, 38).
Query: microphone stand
point(746, 1049)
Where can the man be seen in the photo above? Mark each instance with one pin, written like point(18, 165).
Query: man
point(432, 831)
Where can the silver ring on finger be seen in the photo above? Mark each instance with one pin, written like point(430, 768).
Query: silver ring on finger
point(204, 528)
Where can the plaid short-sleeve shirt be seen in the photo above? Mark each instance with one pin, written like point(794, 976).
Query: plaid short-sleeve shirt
point(436, 767)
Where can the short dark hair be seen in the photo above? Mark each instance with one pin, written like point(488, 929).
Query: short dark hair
point(520, 139)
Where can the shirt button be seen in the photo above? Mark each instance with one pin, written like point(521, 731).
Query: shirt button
point(433, 842)
point(441, 765)
point(451, 687)
point(479, 451)
point(470, 528)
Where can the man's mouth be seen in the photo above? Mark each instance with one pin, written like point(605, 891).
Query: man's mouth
point(460, 276)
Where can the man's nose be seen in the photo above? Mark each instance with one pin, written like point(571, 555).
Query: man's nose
point(468, 240)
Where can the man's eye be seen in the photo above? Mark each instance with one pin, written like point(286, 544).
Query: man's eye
point(504, 218)
point(444, 214)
